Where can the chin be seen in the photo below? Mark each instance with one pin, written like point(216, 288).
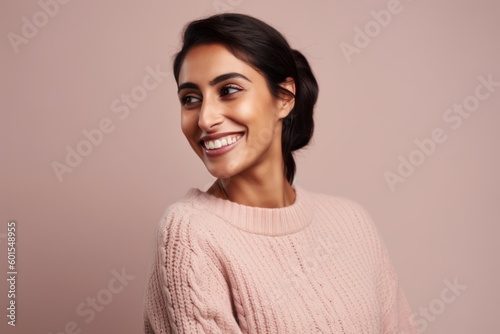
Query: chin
point(223, 170)
point(219, 173)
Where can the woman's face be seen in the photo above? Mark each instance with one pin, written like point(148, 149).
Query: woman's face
point(224, 97)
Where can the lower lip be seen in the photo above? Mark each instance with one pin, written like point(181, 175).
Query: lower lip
point(221, 150)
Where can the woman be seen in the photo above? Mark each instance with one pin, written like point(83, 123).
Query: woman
point(256, 253)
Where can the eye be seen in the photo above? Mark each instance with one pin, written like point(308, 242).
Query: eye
point(230, 89)
point(188, 99)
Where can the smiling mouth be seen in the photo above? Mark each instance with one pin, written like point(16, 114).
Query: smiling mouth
point(215, 144)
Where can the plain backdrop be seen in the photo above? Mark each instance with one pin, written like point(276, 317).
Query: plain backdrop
point(67, 68)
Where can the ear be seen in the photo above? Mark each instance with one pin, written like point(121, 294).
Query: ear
point(286, 102)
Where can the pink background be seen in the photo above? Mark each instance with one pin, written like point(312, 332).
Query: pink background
point(440, 224)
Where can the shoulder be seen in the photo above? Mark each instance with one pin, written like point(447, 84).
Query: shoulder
point(342, 205)
point(344, 211)
point(348, 217)
point(174, 224)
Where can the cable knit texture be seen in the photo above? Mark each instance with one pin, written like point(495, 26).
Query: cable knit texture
point(316, 266)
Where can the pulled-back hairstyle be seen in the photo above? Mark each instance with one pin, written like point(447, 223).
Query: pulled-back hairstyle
point(267, 51)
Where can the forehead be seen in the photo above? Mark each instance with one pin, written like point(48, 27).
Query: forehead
point(202, 63)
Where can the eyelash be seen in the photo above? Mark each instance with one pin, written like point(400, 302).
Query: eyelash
point(184, 102)
point(230, 87)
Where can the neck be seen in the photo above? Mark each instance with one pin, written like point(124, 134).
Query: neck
point(269, 195)
point(262, 185)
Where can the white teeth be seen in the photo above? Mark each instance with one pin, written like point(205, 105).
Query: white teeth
point(218, 143)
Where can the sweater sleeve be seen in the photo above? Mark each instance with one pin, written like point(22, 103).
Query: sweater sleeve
point(396, 314)
point(186, 292)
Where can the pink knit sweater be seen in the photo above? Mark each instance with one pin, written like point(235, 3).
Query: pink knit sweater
point(316, 266)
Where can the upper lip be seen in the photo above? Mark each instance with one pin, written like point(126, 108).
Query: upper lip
point(217, 135)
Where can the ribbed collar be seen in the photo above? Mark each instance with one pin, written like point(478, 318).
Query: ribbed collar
point(266, 221)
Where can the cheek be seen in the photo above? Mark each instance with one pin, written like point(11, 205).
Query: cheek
point(188, 124)
point(254, 110)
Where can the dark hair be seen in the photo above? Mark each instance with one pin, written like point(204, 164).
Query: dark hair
point(266, 50)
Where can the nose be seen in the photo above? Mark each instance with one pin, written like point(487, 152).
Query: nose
point(210, 114)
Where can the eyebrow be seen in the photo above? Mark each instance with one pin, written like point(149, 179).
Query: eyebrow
point(214, 82)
